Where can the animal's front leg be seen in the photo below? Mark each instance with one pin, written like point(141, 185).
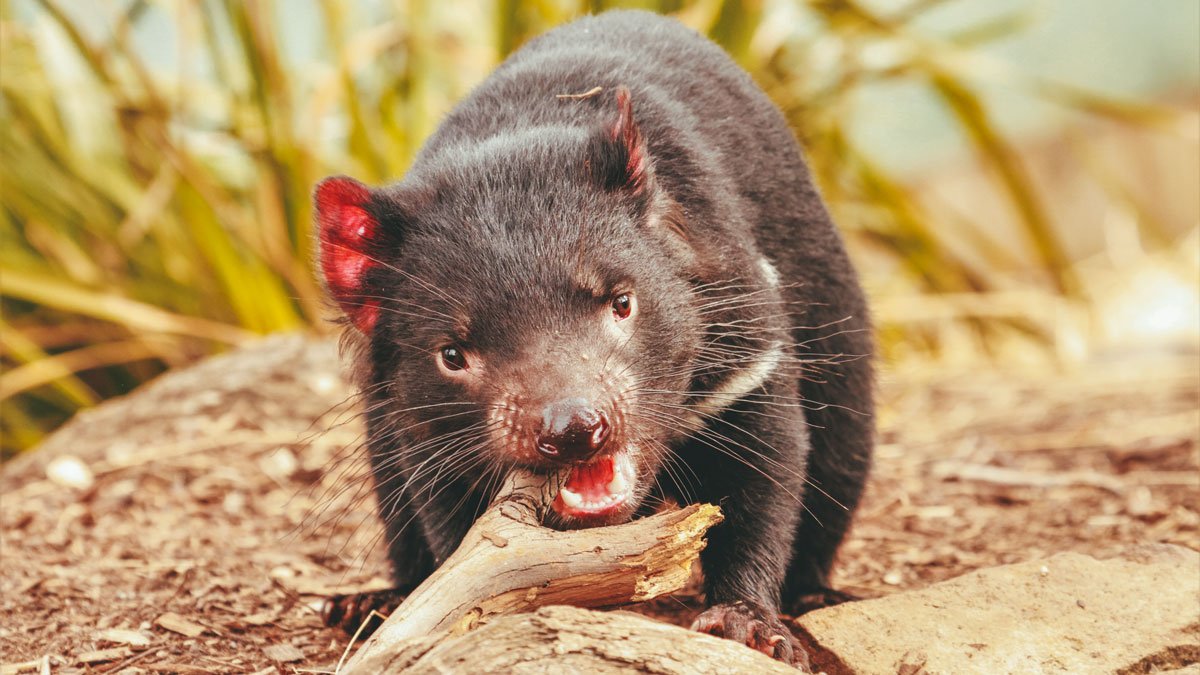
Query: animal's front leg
point(420, 536)
point(754, 467)
point(449, 511)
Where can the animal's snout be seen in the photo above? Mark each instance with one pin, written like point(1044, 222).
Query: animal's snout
point(572, 431)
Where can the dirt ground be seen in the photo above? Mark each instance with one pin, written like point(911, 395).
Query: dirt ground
point(205, 547)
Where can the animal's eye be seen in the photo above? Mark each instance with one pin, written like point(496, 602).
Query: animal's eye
point(622, 306)
point(453, 358)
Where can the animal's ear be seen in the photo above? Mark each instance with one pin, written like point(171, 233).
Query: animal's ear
point(347, 235)
point(617, 157)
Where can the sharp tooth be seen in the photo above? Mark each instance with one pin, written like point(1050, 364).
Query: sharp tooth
point(618, 485)
point(571, 498)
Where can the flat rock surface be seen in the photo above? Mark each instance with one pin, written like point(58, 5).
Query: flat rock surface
point(1071, 613)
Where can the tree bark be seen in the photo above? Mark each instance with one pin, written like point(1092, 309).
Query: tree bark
point(509, 563)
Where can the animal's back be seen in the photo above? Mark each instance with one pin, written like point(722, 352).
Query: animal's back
point(692, 102)
point(719, 145)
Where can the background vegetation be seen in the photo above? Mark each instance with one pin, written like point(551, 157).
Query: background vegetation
point(156, 209)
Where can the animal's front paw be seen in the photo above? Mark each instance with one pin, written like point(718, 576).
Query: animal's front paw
point(354, 612)
point(754, 627)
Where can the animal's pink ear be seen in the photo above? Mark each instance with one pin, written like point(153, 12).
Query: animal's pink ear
point(346, 235)
point(626, 132)
point(619, 159)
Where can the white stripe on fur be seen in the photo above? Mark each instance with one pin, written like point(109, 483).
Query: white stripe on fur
point(743, 382)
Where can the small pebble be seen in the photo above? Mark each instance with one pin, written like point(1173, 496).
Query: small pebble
point(279, 464)
point(234, 503)
point(323, 384)
point(69, 471)
point(1140, 503)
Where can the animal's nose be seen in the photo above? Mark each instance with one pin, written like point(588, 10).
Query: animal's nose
point(572, 431)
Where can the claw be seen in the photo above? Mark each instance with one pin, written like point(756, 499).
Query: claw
point(351, 612)
point(753, 626)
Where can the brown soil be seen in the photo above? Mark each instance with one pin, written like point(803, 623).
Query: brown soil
point(216, 540)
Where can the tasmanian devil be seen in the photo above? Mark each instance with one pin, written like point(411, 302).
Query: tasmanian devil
point(610, 260)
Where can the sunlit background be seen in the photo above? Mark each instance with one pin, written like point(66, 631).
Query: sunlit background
point(1019, 181)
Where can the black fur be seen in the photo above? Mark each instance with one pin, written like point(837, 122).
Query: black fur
point(518, 193)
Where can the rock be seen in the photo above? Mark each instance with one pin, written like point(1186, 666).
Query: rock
point(68, 471)
point(279, 383)
point(1138, 612)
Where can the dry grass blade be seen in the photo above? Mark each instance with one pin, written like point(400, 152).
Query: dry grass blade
point(67, 364)
point(24, 350)
point(109, 307)
point(970, 112)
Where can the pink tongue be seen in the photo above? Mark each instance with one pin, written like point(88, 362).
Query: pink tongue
point(591, 480)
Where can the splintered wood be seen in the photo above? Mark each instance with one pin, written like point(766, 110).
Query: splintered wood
point(509, 563)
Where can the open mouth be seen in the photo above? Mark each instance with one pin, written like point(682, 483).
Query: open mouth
point(597, 489)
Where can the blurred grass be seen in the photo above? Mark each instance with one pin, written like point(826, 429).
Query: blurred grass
point(150, 217)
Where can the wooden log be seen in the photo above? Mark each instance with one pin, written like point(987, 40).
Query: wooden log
point(571, 640)
point(509, 563)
